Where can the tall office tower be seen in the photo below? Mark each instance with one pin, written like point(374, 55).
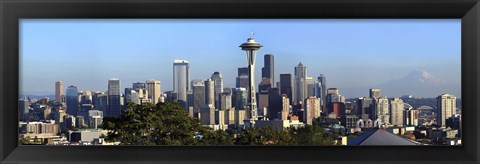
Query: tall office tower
point(364, 106)
point(375, 93)
point(208, 114)
point(138, 85)
point(225, 101)
point(323, 87)
point(58, 90)
point(268, 69)
point(154, 90)
point(114, 107)
point(128, 96)
point(381, 110)
point(181, 79)
point(240, 98)
point(446, 107)
point(312, 110)
point(310, 88)
point(286, 86)
point(242, 78)
point(396, 109)
point(100, 101)
point(285, 107)
point(218, 85)
point(411, 117)
point(274, 104)
point(23, 109)
point(251, 47)
point(198, 87)
point(209, 92)
point(72, 100)
point(300, 87)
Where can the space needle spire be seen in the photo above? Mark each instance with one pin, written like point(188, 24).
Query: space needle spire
point(251, 47)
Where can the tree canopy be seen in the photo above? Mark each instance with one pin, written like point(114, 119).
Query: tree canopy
point(169, 124)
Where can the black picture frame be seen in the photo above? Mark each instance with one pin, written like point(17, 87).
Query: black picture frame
point(13, 10)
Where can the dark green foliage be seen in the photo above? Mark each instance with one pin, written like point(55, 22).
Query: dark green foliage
point(169, 124)
point(164, 124)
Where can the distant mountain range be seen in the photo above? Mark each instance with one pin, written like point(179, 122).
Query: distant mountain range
point(418, 83)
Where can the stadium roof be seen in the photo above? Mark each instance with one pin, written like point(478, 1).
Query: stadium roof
point(380, 137)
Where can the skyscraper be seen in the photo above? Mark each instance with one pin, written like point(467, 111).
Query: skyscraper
point(72, 100)
point(240, 98)
point(23, 109)
point(198, 87)
point(58, 90)
point(209, 92)
point(312, 110)
point(323, 87)
point(268, 69)
point(446, 107)
point(274, 104)
point(225, 101)
point(300, 88)
point(285, 107)
point(242, 78)
point(396, 115)
point(208, 114)
point(218, 85)
point(375, 93)
point(364, 106)
point(114, 107)
point(154, 90)
point(310, 88)
point(286, 86)
point(181, 79)
point(381, 110)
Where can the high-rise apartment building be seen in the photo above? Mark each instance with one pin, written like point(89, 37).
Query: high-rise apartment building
point(396, 108)
point(114, 96)
point(59, 91)
point(446, 107)
point(312, 110)
point(381, 110)
point(154, 90)
point(209, 92)
point(181, 79)
point(285, 107)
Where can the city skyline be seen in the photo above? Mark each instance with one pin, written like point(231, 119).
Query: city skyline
point(142, 65)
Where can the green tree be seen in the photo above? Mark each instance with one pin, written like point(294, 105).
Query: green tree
point(311, 135)
point(162, 124)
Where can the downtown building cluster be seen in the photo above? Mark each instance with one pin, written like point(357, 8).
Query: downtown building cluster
point(294, 100)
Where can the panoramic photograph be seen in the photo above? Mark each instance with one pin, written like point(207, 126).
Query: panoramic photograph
point(258, 82)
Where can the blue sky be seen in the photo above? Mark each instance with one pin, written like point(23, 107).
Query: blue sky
point(351, 53)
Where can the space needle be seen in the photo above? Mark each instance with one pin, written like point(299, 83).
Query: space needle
point(251, 47)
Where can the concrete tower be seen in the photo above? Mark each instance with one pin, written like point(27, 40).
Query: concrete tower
point(251, 47)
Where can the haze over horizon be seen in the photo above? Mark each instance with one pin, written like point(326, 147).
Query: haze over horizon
point(352, 54)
